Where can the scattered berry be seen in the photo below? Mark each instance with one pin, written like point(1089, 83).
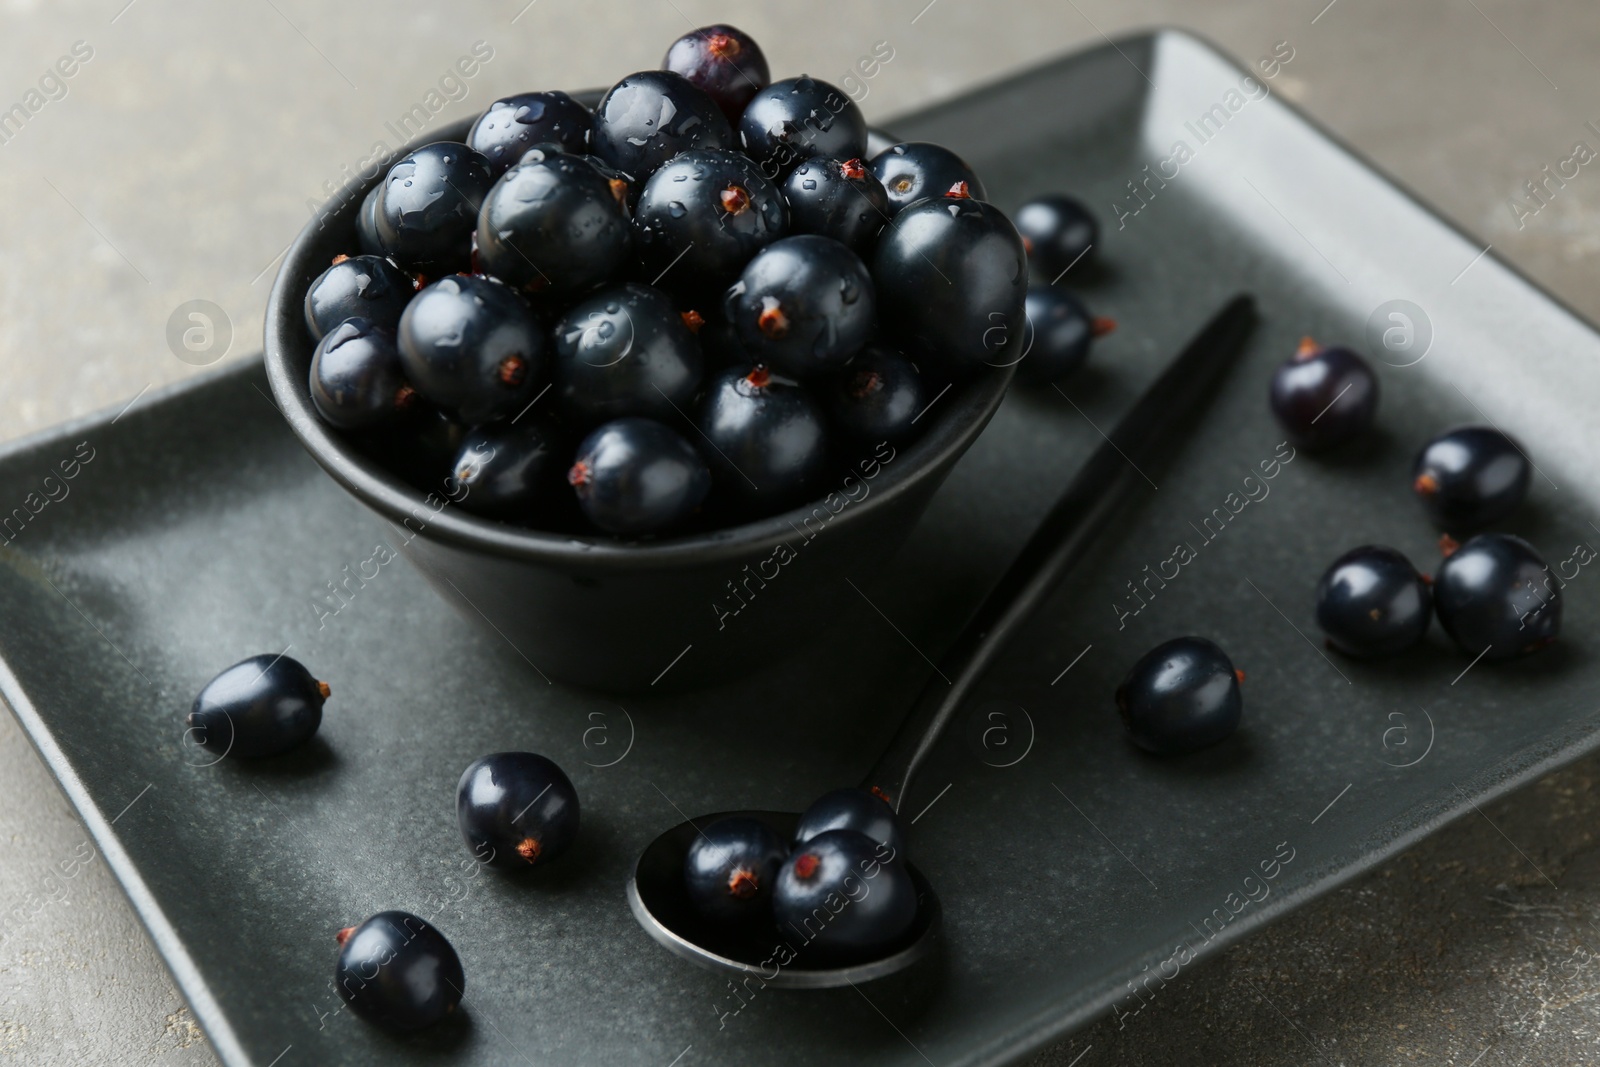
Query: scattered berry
point(1061, 330)
point(844, 897)
point(723, 62)
point(1495, 596)
point(398, 971)
point(471, 345)
point(516, 810)
point(1058, 232)
point(1324, 397)
point(1372, 602)
point(258, 707)
point(731, 868)
point(803, 305)
point(635, 476)
point(1181, 696)
point(1471, 478)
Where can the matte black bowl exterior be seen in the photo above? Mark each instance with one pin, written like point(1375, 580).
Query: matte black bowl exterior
point(613, 616)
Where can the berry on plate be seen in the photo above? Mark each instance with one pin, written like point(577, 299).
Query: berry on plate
point(1372, 602)
point(1495, 597)
point(258, 707)
point(398, 971)
point(516, 810)
point(1180, 696)
point(1470, 478)
point(1324, 397)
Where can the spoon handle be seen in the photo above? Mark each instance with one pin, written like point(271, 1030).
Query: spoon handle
point(1113, 475)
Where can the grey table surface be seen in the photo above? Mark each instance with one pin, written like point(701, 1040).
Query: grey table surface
point(194, 138)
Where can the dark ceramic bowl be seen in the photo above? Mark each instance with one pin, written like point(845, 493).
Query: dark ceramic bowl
point(642, 617)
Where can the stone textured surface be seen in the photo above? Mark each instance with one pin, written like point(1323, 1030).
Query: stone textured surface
point(182, 159)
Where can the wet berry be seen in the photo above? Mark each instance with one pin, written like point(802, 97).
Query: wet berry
point(367, 223)
point(916, 170)
point(505, 469)
point(517, 123)
point(398, 971)
point(768, 444)
point(358, 287)
point(635, 476)
point(1470, 478)
point(731, 868)
point(851, 809)
point(552, 225)
point(878, 397)
point(1495, 597)
point(952, 280)
point(1372, 602)
point(722, 61)
point(625, 351)
point(516, 810)
point(258, 707)
point(649, 117)
point(1180, 696)
point(1323, 397)
point(803, 305)
point(1060, 330)
point(356, 379)
point(1058, 233)
point(838, 199)
point(429, 207)
point(798, 118)
point(843, 897)
point(701, 217)
point(471, 345)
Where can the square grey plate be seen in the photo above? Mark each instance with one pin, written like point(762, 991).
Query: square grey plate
point(1076, 874)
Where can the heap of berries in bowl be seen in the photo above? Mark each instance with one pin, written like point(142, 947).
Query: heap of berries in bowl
point(673, 312)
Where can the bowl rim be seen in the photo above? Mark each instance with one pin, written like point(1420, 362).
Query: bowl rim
point(941, 444)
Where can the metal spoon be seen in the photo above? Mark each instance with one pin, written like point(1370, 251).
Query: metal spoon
point(1147, 433)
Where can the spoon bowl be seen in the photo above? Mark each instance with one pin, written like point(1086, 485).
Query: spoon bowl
point(781, 960)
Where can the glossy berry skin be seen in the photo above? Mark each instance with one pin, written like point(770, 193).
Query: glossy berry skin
point(553, 225)
point(1061, 330)
point(767, 435)
point(799, 118)
point(880, 899)
point(511, 126)
point(516, 810)
point(731, 868)
point(723, 62)
point(1324, 397)
point(851, 809)
point(649, 117)
point(803, 305)
point(635, 476)
point(1496, 592)
point(952, 281)
point(472, 346)
point(840, 199)
point(261, 706)
point(1470, 478)
point(399, 972)
point(915, 170)
point(1058, 232)
point(1180, 696)
point(701, 217)
point(625, 351)
point(429, 207)
point(356, 380)
point(367, 238)
point(357, 287)
point(504, 469)
point(1372, 602)
point(876, 398)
